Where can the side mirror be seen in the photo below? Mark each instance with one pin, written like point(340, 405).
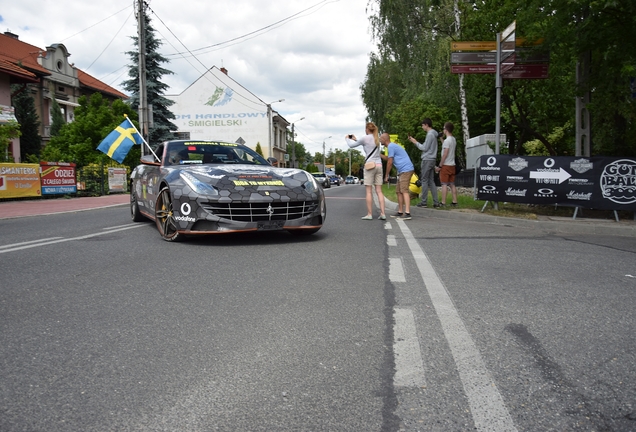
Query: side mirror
point(149, 160)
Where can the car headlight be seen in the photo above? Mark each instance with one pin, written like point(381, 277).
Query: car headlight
point(197, 185)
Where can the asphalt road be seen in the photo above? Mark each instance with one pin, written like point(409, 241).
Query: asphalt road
point(428, 324)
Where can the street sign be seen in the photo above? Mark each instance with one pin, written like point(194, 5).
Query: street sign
point(508, 47)
point(474, 57)
point(526, 55)
point(527, 71)
point(470, 69)
point(474, 46)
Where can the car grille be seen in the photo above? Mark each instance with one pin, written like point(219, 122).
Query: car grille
point(254, 212)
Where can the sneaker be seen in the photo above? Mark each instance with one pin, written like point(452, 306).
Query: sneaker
point(397, 215)
point(367, 217)
point(437, 205)
point(405, 216)
point(454, 204)
point(382, 217)
point(422, 205)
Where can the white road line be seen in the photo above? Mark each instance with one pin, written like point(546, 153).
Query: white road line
point(409, 368)
point(45, 242)
point(387, 226)
point(29, 242)
point(390, 240)
point(396, 270)
point(486, 404)
point(119, 226)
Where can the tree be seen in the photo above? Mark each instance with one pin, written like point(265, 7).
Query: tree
point(163, 127)
point(57, 118)
point(30, 139)
point(8, 131)
point(95, 118)
point(258, 149)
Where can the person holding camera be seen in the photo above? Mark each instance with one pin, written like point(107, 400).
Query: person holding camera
point(446, 166)
point(429, 155)
point(372, 167)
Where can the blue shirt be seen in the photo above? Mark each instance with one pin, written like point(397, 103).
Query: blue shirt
point(401, 160)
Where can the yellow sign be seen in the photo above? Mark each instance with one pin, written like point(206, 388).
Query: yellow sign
point(19, 180)
point(488, 45)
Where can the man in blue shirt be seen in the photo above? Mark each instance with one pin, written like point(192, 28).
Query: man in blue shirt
point(397, 156)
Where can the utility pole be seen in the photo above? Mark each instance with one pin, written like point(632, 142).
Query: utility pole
point(323, 154)
point(143, 95)
point(294, 143)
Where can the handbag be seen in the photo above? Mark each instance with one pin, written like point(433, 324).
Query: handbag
point(370, 165)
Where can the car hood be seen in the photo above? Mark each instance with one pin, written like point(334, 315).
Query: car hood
point(247, 176)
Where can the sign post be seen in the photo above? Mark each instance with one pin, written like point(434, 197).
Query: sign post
point(505, 61)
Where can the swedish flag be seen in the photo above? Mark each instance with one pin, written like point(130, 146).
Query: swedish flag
point(119, 142)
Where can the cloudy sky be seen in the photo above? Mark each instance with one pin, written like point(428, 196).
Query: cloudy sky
point(312, 53)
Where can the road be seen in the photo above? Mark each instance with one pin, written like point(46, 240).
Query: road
point(427, 324)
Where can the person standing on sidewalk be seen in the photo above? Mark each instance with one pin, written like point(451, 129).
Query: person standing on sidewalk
point(397, 156)
point(429, 155)
point(372, 177)
point(446, 166)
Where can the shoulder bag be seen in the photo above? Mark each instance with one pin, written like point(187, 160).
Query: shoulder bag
point(370, 165)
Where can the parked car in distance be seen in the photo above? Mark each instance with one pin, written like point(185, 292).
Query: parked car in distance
point(322, 179)
point(335, 180)
point(350, 180)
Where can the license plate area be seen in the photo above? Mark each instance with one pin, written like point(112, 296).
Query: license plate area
point(270, 225)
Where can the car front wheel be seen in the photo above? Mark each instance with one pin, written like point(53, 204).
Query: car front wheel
point(164, 217)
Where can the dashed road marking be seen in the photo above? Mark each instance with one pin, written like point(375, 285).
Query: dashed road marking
point(409, 367)
point(486, 403)
point(396, 270)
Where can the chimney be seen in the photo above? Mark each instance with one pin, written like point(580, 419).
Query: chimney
point(224, 70)
point(11, 35)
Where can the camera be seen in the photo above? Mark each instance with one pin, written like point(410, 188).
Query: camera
point(440, 135)
point(350, 136)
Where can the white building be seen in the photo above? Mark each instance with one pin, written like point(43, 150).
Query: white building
point(215, 107)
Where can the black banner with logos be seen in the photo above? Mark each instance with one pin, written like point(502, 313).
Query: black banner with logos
point(596, 183)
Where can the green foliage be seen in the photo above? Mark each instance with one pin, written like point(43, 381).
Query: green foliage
point(94, 119)
point(57, 117)
point(311, 168)
point(163, 127)
point(258, 149)
point(8, 131)
point(412, 64)
point(25, 112)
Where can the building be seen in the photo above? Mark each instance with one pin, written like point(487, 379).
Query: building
point(46, 74)
point(215, 107)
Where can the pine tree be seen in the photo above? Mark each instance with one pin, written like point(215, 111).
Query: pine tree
point(162, 126)
point(58, 119)
point(30, 139)
point(259, 150)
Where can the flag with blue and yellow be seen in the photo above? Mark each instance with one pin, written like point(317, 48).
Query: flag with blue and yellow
point(119, 142)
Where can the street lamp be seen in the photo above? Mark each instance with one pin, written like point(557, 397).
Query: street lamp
point(324, 166)
point(294, 143)
point(269, 117)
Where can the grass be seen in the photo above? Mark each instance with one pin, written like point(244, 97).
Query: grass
point(467, 203)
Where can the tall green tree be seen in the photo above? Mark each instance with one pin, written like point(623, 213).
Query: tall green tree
point(163, 128)
point(25, 112)
point(57, 118)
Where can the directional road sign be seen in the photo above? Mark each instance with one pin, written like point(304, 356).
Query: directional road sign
point(474, 46)
point(527, 71)
point(471, 69)
point(474, 57)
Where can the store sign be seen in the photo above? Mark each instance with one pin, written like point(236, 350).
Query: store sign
point(19, 180)
point(597, 182)
point(58, 178)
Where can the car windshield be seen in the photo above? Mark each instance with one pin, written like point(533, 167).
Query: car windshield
point(200, 152)
point(319, 174)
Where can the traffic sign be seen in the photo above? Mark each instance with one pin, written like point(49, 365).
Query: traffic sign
point(527, 71)
point(474, 46)
point(474, 57)
point(473, 69)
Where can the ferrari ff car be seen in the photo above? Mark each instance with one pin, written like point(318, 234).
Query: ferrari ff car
point(211, 187)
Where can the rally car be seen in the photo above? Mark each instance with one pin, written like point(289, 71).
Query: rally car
point(213, 187)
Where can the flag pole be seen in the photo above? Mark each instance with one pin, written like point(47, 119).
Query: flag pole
point(142, 138)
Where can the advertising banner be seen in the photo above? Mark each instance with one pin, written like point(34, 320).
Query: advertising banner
point(597, 183)
point(58, 178)
point(116, 179)
point(19, 180)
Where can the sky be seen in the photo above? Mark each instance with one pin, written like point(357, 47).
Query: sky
point(311, 53)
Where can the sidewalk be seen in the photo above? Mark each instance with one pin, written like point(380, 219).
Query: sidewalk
point(39, 207)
